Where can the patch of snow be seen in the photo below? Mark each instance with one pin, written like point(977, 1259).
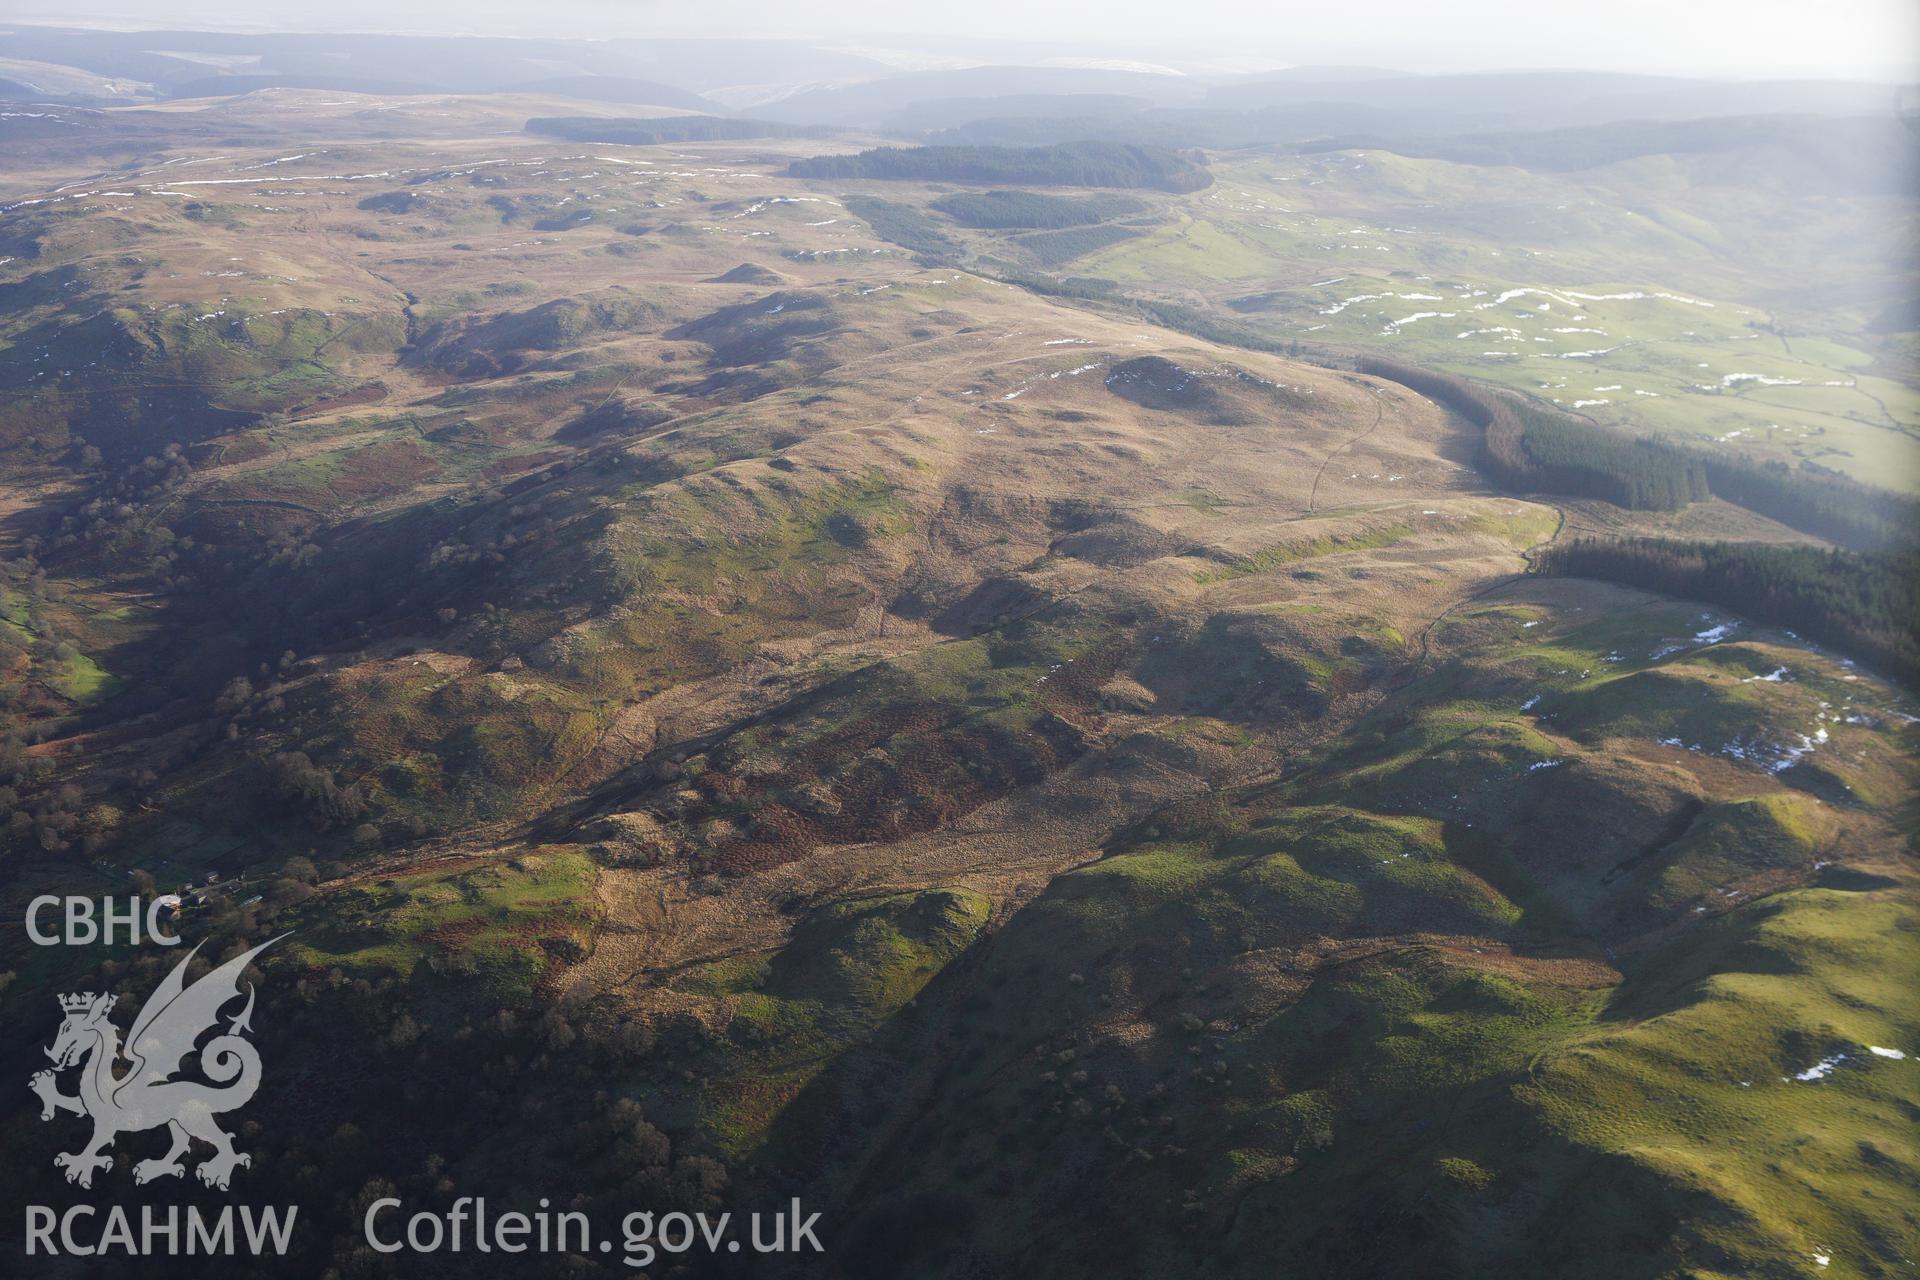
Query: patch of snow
point(1418, 316)
point(1636, 296)
point(1758, 379)
point(1821, 1069)
point(1338, 307)
point(1791, 756)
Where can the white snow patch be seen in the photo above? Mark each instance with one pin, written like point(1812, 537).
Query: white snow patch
point(1417, 316)
point(1791, 756)
point(1338, 307)
point(1636, 296)
point(1820, 1070)
point(1758, 379)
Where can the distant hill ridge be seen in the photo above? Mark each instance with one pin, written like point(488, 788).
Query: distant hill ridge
point(1862, 153)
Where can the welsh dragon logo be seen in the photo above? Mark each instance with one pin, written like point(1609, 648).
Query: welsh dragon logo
point(146, 1095)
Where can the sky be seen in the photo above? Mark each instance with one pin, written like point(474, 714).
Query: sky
point(1876, 39)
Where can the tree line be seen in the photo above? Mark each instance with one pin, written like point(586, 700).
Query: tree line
point(1531, 447)
point(1863, 603)
point(1815, 500)
point(1004, 210)
point(1525, 447)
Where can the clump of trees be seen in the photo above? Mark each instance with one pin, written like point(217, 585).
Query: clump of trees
point(1031, 210)
point(1863, 603)
point(392, 202)
point(1051, 248)
point(1069, 164)
point(118, 515)
point(1567, 455)
point(902, 224)
point(295, 779)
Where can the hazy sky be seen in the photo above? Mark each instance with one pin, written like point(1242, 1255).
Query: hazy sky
point(1740, 37)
